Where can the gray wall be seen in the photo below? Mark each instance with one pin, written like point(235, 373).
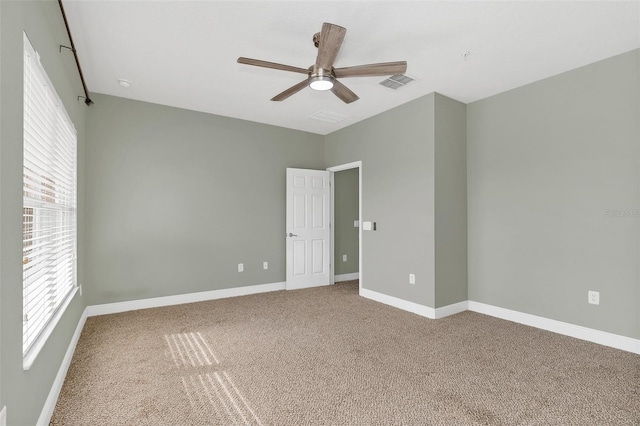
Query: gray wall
point(450, 201)
point(179, 198)
point(545, 163)
point(396, 149)
point(176, 198)
point(24, 392)
point(345, 212)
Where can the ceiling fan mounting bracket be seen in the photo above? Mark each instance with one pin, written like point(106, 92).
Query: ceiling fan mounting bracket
point(316, 39)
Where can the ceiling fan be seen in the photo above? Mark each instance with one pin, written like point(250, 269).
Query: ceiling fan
point(322, 75)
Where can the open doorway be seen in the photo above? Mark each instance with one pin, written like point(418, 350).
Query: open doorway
point(346, 235)
point(345, 225)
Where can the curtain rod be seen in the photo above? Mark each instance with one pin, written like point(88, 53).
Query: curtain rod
point(87, 100)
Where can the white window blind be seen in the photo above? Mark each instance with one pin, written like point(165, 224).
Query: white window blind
point(49, 203)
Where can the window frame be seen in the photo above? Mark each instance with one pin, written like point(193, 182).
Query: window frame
point(49, 194)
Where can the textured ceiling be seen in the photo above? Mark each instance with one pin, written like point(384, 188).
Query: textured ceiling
point(183, 53)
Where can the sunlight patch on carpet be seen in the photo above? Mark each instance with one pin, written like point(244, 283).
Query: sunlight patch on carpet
point(210, 394)
point(190, 350)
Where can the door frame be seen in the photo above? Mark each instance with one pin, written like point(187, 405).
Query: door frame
point(333, 170)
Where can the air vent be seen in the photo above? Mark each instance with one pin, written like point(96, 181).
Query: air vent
point(328, 116)
point(397, 81)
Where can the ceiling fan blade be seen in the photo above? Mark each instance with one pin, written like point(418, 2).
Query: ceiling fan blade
point(291, 90)
point(266, 64)
point(343, 92)
point(384, 68)
point(331, 37)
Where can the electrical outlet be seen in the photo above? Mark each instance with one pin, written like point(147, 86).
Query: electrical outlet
point(594, 297)
point(80, 289)
point(356, 224)
point(412, 279)
point(344, 257)
point(240, 267)
point(265, 265)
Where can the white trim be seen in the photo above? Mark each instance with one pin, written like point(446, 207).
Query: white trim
point(347, 166)
point(30, 357)
point(3, 416)
point(348, 277)
point(405, 305)
point(452, 309)
point(178, 299)
point(52, 398)
point(596, 336)
point(332, 232)
point(617, 341)
point(360, 245)
point(415, 308)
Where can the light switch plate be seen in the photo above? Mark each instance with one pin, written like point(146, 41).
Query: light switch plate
point(356, 223)
point(240, 267)
point(265, 265)
point(344, 257)
point(366, 226)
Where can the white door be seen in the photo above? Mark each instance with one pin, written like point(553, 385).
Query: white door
point(308, 229)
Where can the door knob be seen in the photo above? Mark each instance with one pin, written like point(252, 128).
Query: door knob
point(292, 235)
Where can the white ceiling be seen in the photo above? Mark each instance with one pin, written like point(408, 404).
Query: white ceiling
point(183, 53)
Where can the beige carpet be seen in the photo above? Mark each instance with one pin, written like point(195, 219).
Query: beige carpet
point(326, 356)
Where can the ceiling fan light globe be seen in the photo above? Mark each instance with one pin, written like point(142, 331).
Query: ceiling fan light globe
point(321, 82)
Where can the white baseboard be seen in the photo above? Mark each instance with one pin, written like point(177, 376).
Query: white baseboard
point(156, 302)
point(453, 309)
point(52, 399)
point(347, 277)
point(579, 332)
point(596, 336)
point(405, 305)
point(415, 308)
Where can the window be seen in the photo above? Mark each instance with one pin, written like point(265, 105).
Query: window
point(49, 206)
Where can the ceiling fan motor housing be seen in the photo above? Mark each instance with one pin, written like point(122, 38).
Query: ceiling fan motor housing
point(320, 78)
